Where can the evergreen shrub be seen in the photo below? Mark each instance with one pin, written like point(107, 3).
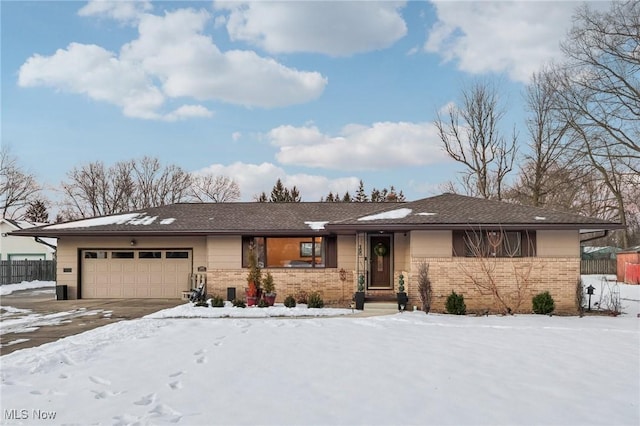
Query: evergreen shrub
point(455, 304)
point(543, 303)
point(315, 300)
point(290, 301)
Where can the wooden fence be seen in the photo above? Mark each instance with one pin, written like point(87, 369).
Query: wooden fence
point(16, 271)
point(598, 266)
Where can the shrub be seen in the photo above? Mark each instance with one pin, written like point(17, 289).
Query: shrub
point(455, 304)
point(239, 303)
point(267, 284)
point(263, 304)
point(315, 300)
point(302, 297)
point(290, 301)
point(543, 303)
point(580, 297)
point(217, 302)
point(424, 286)
point(201, 304)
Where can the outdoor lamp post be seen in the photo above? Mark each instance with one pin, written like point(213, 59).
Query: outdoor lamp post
point(590, 292)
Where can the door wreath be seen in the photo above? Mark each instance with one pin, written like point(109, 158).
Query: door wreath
point(380, 250)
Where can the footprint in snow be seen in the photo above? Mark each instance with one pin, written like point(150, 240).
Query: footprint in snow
point(104, 394)
point(200, 352)
point(176, 374)
point(202, 360)
point(99, 380)
point(146, 400)
point(163, 410)
point(176, 385)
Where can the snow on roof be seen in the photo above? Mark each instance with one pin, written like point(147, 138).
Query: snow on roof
point(426, 214)
point(119, 219)
point(316, 225)
point(167, 221)
point(540, 218)
point(392, 214)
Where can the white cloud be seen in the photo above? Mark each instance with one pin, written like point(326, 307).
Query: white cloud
point(123, 11)
point(189, 111)
point(380, 146)
point(253, 179)
point(172, 58)
point(508, 36)
point(331, 28)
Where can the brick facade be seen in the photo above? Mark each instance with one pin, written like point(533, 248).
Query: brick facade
point(559, 276)
point(533, 275)
point(328, 282)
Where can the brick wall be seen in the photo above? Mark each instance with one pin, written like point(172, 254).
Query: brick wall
point(559, 276)
point(334, 290)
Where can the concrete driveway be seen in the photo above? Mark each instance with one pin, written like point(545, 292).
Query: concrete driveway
point(32, 317)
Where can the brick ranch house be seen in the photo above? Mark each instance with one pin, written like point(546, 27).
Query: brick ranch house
point(498, 255)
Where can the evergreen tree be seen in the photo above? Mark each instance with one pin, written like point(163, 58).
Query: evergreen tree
point(361, 196)
point(281, 194)
point(37, 212)
point(346, 198)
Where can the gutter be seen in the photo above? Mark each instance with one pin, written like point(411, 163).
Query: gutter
point(605, 232)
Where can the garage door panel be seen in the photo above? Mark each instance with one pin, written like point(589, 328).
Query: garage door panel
point(135, 274)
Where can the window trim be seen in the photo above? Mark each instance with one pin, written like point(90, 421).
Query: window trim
point(528, 243)
point(330, 248)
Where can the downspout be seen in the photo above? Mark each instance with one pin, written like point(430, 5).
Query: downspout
point(39, 240)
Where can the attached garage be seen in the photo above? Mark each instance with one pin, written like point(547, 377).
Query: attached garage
point(145, 273)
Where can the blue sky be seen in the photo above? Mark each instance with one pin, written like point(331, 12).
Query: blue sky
point(318, 94)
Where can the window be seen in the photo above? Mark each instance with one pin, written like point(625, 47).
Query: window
point(494, 243)
point(291, 252)
point(122, 255)
point(177, 255)
point(149, 255)
point(95, 254)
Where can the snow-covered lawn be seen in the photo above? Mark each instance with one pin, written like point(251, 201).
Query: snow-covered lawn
point(407, 368)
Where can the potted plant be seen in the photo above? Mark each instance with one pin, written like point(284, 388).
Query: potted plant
point(254, 277)
point(269, 289)
point(359, 295)
point(403, 299)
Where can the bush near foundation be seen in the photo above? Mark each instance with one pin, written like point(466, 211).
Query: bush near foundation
point(239, 303)
point(290, 301)
point(217, 302)
point(543, 303)
point(455, 304)
point(315, 301)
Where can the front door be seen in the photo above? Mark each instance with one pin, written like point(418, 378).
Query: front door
point(380, 261)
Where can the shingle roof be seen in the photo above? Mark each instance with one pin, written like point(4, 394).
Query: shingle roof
point(447, 211)
point(459, 211)
point(214, 218)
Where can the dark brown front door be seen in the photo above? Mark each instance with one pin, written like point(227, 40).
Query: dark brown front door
point(380, 262)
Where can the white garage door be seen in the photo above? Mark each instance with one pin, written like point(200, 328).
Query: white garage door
point(135, 273)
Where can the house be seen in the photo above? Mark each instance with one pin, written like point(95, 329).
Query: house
point(17, 248)
point(497, 255)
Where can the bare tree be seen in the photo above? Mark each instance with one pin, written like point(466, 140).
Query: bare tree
point(599, 94)
point(471, 136)
point(217, 189)
point(549, 169)
point(96, 190)
point(487, 247)
point(17, 187)
point(157, 185)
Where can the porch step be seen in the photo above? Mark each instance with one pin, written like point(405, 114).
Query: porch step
point(381, 305)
